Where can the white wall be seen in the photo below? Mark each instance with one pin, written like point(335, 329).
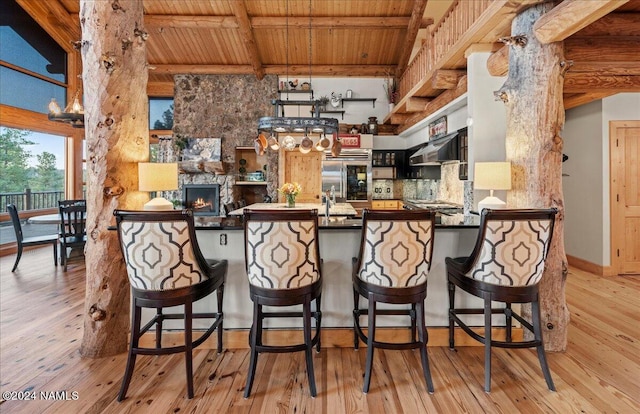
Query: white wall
point(355, 112)
point(620, 107)
point(582, 184)
point(487, 117)
point(586, 189)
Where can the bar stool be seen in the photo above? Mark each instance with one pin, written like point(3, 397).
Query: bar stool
point(392, 267)
point(166, 268)
point(505, 266)
point(283, 265)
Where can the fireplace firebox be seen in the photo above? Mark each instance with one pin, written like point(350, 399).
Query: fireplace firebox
point(204, 199)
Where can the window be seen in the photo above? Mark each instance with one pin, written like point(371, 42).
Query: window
point(160, 113)
point(32, 176)
point(34, 66)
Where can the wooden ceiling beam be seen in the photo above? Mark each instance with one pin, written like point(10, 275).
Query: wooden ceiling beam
point(613, 24)
point(591, 83)
point(231, 22)
point(160, 89)
point(606, 68)
point(447, 78)
point(296, 70)
point(190, 22)
point(246, 32)
point(573, 101)
point(347, 22)
point(498, 62)
point(201, 69)
point(54, 19)
point(440, 101)
point(603, 49)
point(570, 16)
point(410, 38)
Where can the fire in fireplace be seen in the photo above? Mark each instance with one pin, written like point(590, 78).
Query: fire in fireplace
point(204, 199)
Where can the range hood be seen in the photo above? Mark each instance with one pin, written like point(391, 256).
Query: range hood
point(437, 151)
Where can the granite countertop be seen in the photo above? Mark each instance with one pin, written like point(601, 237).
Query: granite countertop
point(337, 209)
point(335, 222)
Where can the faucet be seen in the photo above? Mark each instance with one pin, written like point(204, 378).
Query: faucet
point(327, 205)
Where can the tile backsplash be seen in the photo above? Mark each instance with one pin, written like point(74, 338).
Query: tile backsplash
point(448, 188)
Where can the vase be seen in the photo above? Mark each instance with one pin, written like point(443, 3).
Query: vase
point(291, 200)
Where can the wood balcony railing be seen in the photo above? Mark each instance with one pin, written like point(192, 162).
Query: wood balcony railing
point(448, 32)
point(31, 200)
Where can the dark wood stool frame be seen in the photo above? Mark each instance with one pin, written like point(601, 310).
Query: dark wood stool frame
point(216, 270)
point(414, 295)
point(285, 297)
point(456, 270)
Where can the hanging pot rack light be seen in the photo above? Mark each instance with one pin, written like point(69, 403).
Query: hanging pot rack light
point(276, 125)
point(73, 114)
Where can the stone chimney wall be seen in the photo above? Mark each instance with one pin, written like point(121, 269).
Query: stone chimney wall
point(227, 107)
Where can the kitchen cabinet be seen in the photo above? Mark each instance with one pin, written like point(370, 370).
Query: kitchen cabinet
point(390, 158)
point(387, 205)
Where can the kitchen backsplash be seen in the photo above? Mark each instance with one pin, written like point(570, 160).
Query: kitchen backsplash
point(448, 188)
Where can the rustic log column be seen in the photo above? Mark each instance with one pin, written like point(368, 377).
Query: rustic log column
point(117, 134)
point(532, 95)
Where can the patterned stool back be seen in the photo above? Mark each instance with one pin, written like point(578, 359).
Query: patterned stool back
point(396, 248)
point(281, 248)
point(158, 249)
point(512, 247)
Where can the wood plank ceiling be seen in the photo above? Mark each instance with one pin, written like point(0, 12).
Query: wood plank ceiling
point(361, 38)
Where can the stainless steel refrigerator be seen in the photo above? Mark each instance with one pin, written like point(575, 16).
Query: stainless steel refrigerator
point(348, 175)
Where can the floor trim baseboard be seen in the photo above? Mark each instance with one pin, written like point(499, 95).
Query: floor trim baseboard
point(586, 265)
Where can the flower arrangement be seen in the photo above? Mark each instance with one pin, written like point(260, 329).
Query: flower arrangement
point(290, 191)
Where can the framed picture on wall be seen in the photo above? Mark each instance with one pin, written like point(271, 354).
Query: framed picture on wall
point(202, 149)
point(438, 127)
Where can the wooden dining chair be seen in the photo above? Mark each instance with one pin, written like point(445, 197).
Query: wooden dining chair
point(23, 242)
point(505, 266)
point(73, 233)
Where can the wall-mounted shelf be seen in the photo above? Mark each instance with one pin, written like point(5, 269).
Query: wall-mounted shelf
point(287, 91)
point(372, 100)
point(333, 112)
point(250, 183)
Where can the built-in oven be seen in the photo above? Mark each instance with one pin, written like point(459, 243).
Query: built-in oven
point(348, 177)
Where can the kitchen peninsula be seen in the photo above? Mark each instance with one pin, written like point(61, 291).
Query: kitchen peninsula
point(339, 242)
point(336, 209)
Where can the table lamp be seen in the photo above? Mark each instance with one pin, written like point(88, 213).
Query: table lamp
point(492, 176)
point(154, 177)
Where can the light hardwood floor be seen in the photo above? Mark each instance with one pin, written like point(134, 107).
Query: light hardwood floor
point(41, 328)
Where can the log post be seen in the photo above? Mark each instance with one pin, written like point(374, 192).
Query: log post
point(532, 95)
point(117, 134)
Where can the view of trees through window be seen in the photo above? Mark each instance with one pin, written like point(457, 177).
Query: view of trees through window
point(32, 167)
point(160, 113)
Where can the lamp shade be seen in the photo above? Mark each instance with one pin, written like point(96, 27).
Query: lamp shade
point(492, 176)
point(158, 177)
point(154, 176)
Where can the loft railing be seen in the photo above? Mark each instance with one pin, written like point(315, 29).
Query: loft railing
point(31, 200)
point(449, 30)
